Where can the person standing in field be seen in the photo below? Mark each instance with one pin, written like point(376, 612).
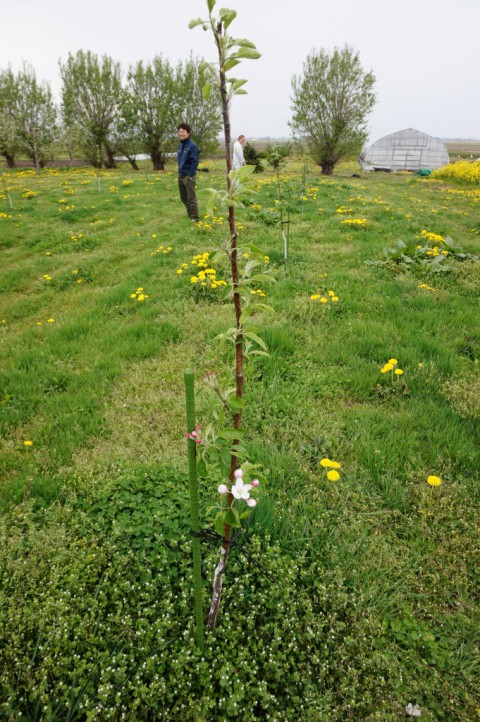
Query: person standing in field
point(187, 158)
point(238, 159)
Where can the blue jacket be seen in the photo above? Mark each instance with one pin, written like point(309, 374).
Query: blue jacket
point(187, 157)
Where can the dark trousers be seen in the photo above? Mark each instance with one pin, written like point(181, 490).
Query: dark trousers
point(186, 186)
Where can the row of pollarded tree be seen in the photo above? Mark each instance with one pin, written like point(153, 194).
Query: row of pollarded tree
point(99, 117)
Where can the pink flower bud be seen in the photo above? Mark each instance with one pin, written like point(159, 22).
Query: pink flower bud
point(238, 473)
point(223, 489)
point(251, 502)
point(255, 482)
point(194, 434)
point(198, 441)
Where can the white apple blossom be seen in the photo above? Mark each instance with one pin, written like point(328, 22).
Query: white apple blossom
point(240, 490)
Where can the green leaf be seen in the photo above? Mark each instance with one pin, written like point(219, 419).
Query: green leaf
point(195, 23)
point(226, 16)
point(256, 308)
point(241, 174)
point(236, 403)
point(225, 457)
point(248, 53)
point(201, 468)
point(253, 337)
point(211, 5)
point(262, 278)
point(230, 63)
point(241, 92)
point(219, 524)
point(237, 83)
point(207, 91)
point(233, 434)
point(243, 43)
point(232, 518)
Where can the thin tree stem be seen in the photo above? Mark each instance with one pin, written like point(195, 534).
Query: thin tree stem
point(239, 356)
point(195, 520)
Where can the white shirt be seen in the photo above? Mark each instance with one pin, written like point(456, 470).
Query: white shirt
point(238, 159)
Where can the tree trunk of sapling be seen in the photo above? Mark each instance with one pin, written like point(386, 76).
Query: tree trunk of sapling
point(239, 373)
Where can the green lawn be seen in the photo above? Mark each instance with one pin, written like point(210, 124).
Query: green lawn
point(371, 598)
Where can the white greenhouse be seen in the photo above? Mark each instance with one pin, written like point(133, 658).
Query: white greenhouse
point(408, 149)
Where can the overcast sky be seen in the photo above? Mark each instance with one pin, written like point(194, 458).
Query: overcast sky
point(424, 53)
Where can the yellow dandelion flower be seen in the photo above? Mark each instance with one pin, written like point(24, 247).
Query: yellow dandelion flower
point(398, 372)
point(333, 475)
point(336, 465)
point(323, 300)
point(326, 463)
point(28, 443)
point(335, 298)
point(50, 320)
point(133, 295)
point(193, 279)
point(179, 271)
point(434, 480)
point(331, 293)
point(392, 361)
point(315, 297)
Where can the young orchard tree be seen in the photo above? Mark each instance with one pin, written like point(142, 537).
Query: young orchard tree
point(36, 116)
point(331, 102)
point(9, 130)
point(230, 52)
point(91, 94)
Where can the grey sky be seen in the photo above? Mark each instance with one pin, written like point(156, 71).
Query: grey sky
point(424, 53)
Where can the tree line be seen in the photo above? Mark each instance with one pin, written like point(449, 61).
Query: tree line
point(101, 117)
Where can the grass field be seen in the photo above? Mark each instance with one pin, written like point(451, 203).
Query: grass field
point(371, 599)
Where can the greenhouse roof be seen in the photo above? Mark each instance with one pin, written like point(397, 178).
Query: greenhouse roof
point(407, 149)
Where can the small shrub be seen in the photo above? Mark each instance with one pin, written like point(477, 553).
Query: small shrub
point(253, 157)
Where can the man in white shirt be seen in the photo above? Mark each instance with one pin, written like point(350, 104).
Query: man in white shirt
point(238, 159)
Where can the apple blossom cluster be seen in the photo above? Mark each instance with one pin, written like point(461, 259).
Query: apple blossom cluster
point(240, 490)
point(195, 436)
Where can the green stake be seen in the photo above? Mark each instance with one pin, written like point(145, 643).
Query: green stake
point(189, 378)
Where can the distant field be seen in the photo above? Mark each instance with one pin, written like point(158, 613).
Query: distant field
point(463, 148)
point(456, 149)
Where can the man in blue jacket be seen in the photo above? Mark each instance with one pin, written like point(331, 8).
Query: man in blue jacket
point(187, 157)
